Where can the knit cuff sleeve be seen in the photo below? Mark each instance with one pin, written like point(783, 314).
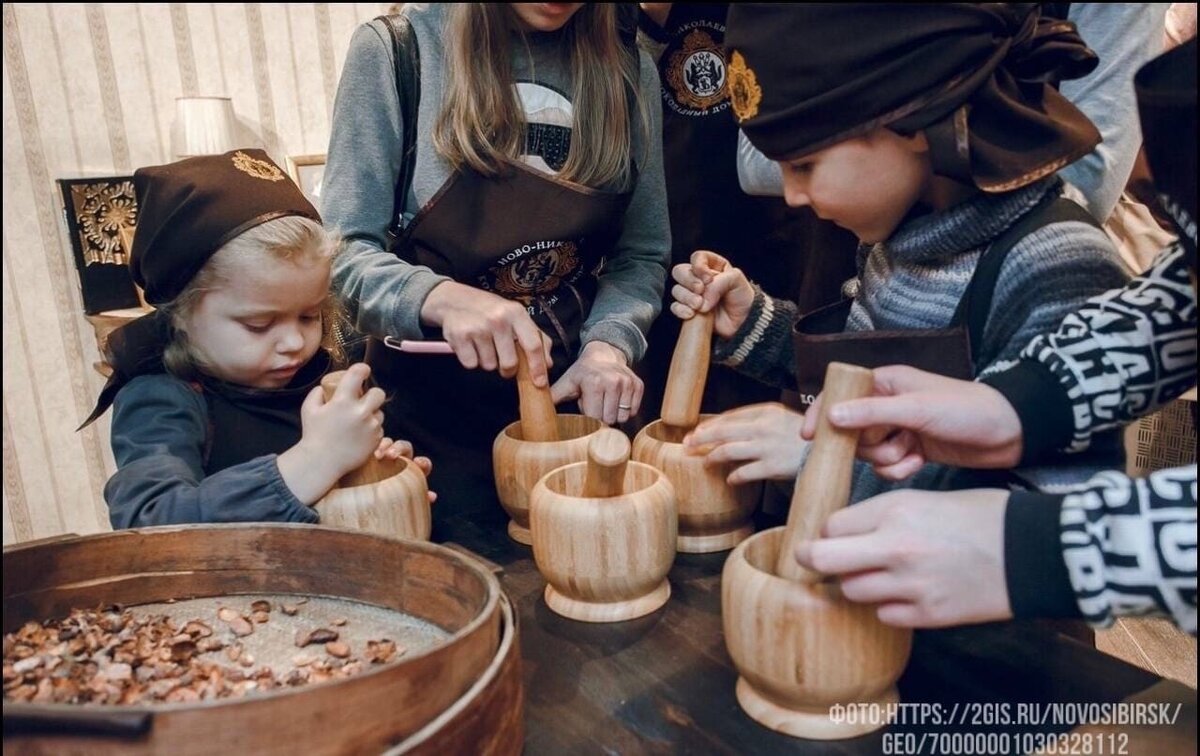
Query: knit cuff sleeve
point(1034, 569)
point(1042, 404)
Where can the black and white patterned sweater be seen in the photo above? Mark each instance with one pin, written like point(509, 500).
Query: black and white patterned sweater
point(1116, 545)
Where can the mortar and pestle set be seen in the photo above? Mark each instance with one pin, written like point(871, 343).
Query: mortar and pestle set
point(798, 645)
point(604, 534)
point(713, 515)
point(541, 441)
point(602, 528)
point(387, 497)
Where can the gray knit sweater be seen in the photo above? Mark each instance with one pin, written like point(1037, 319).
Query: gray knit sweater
point(915, 279)
point(383, 293)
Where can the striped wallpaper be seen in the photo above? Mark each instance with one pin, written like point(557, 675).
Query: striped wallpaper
point(89, 90)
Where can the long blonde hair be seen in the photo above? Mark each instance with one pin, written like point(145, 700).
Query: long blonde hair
point(482, 124)
point(291, 239)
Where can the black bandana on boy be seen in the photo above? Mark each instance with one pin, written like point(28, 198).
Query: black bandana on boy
point(977, 77)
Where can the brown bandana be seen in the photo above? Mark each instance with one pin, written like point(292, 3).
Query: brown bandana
point(978, 78)
point(188, 209)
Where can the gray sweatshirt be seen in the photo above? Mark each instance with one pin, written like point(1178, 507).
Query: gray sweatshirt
point(384, 294)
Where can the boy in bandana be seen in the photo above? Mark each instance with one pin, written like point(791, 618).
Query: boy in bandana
point(934, 134)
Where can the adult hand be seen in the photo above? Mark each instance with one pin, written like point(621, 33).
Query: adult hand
point(708, 281)
point(917, 417)
point(602, 381)
point(485, 330)
point(762, 440)
point(927, 558)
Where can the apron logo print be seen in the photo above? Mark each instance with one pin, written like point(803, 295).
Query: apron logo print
point(529, 272)
point(696, 75)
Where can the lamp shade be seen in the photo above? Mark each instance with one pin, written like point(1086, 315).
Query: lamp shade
point(203, 126)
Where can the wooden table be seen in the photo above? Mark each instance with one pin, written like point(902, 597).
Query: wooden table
point(665, 684)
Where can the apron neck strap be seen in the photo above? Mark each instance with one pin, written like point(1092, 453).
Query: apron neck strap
point(976, 303)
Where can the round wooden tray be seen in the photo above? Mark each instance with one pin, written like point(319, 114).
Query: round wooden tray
point(367, 713)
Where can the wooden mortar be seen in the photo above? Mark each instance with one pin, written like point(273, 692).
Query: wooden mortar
point(527, 449)
point(604, 534)
point(388, 497)
point(798, 645)
point(713, 515)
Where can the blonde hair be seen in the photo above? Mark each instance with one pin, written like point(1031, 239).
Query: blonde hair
point(291, 239)
point(482, 124)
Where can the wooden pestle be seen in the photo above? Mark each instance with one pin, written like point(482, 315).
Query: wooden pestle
point(371, 471)
point(689, 370)
point(824, 484)
point(687, 376)
point(539, 419)
point(608, 453)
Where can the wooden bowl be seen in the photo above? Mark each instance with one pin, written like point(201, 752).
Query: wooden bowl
point(519, 464)
point(713, 515)
point(605, 560)
point(488, 719)
point(800, 648)
point(397, 506)
point(367, 713)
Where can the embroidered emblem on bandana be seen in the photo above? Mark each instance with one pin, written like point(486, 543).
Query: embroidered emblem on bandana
point(744, 91)
point(259, 169)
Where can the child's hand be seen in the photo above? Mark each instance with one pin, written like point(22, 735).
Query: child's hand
point(389, 449)
point(700, 288)
point(337, 436)
point(345, 430)
point(916, 417)
point(762, 440)
point(927, 558)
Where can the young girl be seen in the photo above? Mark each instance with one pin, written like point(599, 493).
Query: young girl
point(942, 163)
point(218, 415)
point(535, 205)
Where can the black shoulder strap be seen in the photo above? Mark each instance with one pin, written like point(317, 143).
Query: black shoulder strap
point(406, 52)
point(976, 303)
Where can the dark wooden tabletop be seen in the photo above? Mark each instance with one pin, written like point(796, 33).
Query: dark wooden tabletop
point(664, 683)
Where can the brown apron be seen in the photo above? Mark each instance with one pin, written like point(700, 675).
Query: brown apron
point(525, 236)
point(820, 337)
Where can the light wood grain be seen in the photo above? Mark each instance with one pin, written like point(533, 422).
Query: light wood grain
point(688, 372)
point(389, 703)
point(517, 464)
point(397, 505)
point(372, 470)
point(608, 453)
point(713, 515)
point(824, 483)
point(536, 405)
point(1155, 644)
point(604, 559)
point(388, 497)
point(800, 648)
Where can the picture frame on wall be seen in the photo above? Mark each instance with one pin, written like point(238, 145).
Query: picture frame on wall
point(308, 171)
point(100, 215)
